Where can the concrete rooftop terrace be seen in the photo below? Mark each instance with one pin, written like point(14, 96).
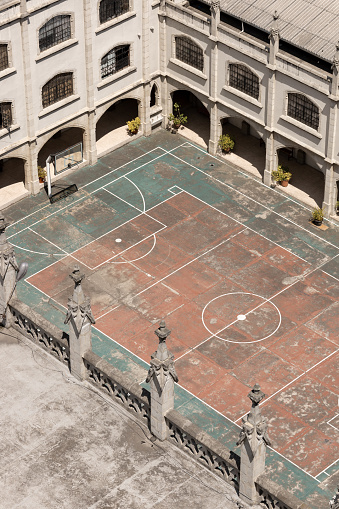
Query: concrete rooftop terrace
point(268, 250)
point(65, 446)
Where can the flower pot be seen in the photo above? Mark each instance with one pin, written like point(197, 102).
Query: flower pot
point(317, 222)
point(41, 180)
point(284, 183)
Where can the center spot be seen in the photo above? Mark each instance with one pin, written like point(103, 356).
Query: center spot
point(117, 240)
point(241, 317)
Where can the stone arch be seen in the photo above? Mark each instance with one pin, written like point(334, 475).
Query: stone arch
point(13, 178)
point(250, 149)
point(308, 179)
point(196, 108)
point(111, 128)
point(154, 95)
point(58, 140)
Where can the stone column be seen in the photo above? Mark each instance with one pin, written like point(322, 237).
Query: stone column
point(215, 20)
point(274, 48)
point(8, 272)
point(330, 191)
point(334, 503)
point(253, 440)
point(161, 376)
point(145, 41)
point(79, 316)
point(165, 99)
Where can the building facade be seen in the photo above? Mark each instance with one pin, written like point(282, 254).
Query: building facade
point(65, 63)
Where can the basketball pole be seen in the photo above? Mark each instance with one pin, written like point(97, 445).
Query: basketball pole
point(49, 185)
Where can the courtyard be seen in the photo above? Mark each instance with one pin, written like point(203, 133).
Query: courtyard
point(247, 284)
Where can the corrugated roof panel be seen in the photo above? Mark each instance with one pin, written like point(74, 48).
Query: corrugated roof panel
point(310, 24)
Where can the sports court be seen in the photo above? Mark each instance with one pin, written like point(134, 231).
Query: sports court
point(248, 286)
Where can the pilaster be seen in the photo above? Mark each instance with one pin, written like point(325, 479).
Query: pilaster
point(271, 66)
point(215, 20)
point(165, 101)
point(161, 376)
point(79, 317)
point(253, 440)
point(90, 147)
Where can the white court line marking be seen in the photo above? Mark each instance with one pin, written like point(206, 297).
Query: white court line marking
point(230, 420)
point(39, 235)
point(236, 168)
point(252, 199)
point(292, 381)
point(141, 194)
point(89, 194)
point(89, 183)
point(140, 257)
point(243, 318)
point(188, 263)
point(329, 466)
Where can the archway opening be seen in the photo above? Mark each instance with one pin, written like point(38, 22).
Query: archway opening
point(111, 128)
point(307, 183)
point(197, 128)
point(67, 145)
point(249, 151)
point(12, 180)
point(154, 96)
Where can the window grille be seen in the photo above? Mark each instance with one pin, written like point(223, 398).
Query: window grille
point(3, 57)
point(115, 60)
point(189, 52)
point(56, 30)
point(57, 88)
point(110, 9)
point(304, 110)
point(243, 79)
point(5, 115)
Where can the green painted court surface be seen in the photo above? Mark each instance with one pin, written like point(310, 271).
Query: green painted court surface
point(248, 286)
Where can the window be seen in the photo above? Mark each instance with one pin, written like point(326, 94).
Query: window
point(243, 79)
point(56, 30)
point(110, 9)
point(304, 110)
point(57, 88)
point(5, 115)
point(189, 52)
point(3, 57)
point(115, 60)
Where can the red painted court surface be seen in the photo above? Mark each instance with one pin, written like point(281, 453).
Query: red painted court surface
point(241, 309)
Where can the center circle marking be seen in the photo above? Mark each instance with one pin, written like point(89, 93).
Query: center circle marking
point(241, 317)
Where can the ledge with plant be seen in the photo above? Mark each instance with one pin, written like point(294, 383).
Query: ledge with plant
point(177, 118)
point(226, 143)
point(282, 175)
point(42, 174)
point(133, 125)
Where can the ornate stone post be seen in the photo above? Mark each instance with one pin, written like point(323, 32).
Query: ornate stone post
point(161, 376)
point(79, 316)
point(253, 440)
point(334, 503)
point(8, 273)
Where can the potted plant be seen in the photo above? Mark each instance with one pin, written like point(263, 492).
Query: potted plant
point(177, 118)
point(282, 175)
point(133, 125)
point(42, 173)
point(317, 216)
point(226, 143)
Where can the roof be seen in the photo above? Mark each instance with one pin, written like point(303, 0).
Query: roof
point(312, 25)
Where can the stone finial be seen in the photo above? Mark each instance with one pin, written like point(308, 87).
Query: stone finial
point(274, 32)
point(162, 361)
point(79, 317)
point(254, 426)
point(335, 61)
point(215, 5)
point(334, 502)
